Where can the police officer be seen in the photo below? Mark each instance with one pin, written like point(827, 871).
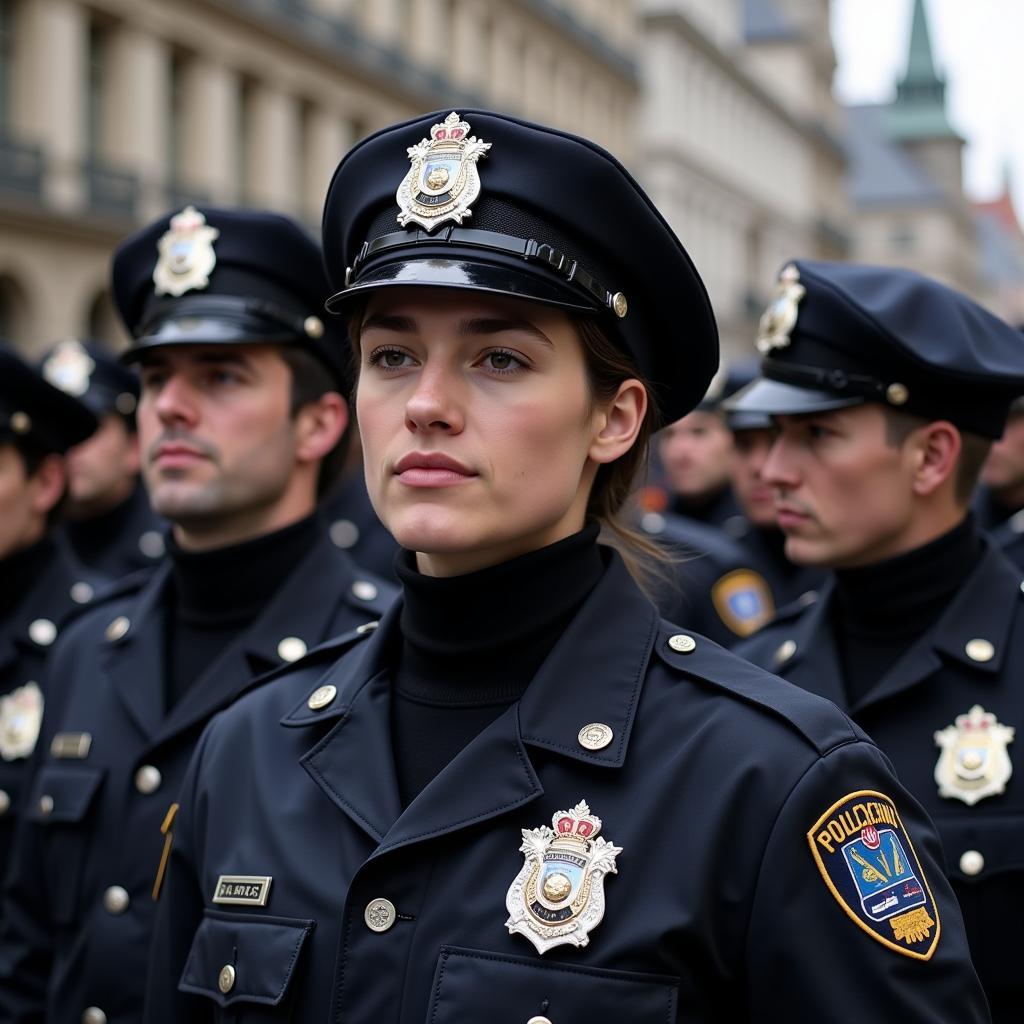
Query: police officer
point(524, 790)
point(240, 421)
point(999, 499)
point(40, 584)
point(109, 523)
point(887, 389)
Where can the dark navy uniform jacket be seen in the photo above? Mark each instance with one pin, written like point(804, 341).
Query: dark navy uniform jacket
point(934, 682)
point(78, 911)
point(713, 776)
point(26, 636)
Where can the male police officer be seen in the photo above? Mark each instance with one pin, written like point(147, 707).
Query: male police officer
point(999, 500)
point(887, 389)
point(109, 523)
point(239, 417)
point(40, 583)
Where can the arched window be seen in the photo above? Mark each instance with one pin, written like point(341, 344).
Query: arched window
point(104, 324)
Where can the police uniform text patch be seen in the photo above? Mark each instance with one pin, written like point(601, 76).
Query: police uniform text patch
point(247, 890)
point(868, 863)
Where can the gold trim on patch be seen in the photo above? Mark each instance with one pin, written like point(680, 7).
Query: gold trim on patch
point(243, 890)
point(733, 583)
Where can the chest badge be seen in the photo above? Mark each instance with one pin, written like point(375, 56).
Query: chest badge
point(974, 762)
point(443, 182)
point(186, 257)
point(21, 714)
point(558, 896)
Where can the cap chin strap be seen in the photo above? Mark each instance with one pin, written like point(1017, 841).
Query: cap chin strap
point(817, 378)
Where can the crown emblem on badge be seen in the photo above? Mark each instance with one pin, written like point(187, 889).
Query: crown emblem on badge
point(186, 257)
point(69, 367)
point(443, 181)
point(974, 762)
point(779, 319)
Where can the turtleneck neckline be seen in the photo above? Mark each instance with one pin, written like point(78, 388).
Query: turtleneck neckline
point(19, 570)
point(233, 583)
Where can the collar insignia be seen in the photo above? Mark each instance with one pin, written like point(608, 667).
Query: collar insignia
point(974, 762)
point(186, 254)
point(443, 182)
point(779, 319)
point(21, 714)
point(69, 367)
point(558, 896)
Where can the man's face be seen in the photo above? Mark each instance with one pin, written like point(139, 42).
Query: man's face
point(102, 469)
point(844, 496)
point(1004, 468)
point(696, 453)
point(218, 444)
point(22, 506)
point(756, 497)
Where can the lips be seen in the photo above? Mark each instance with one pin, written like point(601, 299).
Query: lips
point(787, 516)
point(431, 469)
point(176, 454)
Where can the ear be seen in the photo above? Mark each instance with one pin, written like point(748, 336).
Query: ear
point(46, 485)
point(319, 425)
point(619, 422)
point(937, 448)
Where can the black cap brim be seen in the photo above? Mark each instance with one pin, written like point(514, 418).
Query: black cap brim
point(773, 398)
point(192, 330)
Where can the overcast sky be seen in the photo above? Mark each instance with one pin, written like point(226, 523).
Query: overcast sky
point(979, 48)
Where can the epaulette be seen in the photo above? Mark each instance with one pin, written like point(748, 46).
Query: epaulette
point(819, 721)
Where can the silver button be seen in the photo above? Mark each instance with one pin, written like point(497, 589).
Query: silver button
point(148, 779)
point(979, 650)
point(42, 632)
point(367, 627)
point(364, 590)
point(152, 545)
point(344, 533)
point(321, 697)
point(291, 648)
point(379, 915)
point(81, 592)
point(94, 1015)
point(784, 651)
point(116, 899)
point(5, 802)
point(682, 643)
point(971, 862)
point(117, 628)
point(226, 979)
point(595, 736)
point(46, 805)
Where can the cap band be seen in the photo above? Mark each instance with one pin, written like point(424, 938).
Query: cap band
point(817, 378)
point(258, 313)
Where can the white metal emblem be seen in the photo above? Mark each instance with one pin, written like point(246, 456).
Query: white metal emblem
point(186, 254)
point(779, 319)
point(974, 762)
point(558, 896)
point(69, 367)
point(443, 181)
point(21, 714)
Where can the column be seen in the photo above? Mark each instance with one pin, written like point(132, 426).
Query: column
point(329, 138)
point(211, 97)
point(274, 158)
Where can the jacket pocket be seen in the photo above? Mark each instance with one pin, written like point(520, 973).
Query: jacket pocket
point(474, 985)
point(245, 962)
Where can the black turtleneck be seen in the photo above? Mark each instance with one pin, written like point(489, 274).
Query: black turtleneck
point(214, 595)
point(20, 570)
point(881, 609)
point(472, 643)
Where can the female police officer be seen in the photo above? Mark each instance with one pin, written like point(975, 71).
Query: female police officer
point(523, 797)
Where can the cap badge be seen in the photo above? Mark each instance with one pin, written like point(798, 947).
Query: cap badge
point(779, 319)
point(558, 896)
point(974, 762)
point(186, 254)
point(443, 182)
point(21, 714)
point(69, 367)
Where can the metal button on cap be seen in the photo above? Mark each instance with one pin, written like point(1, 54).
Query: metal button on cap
point(148, 779)
point(979, 650)
point(784, 651)
point(42, 632)
point(117, 628)
point(595, 736)
point(321, 697)
point(364, 590)
point(45, 804)
point(291, 648)
point(94, 1015)
point(81, 592)
point(971, 862)
point(682, 643)
point(116, 899)
point(379, 915)
point(226, 979)
point(5, 802)
point(344, 533)
point(151, 544)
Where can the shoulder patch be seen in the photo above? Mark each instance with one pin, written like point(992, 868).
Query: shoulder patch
point(743, 601)
point(868, 863)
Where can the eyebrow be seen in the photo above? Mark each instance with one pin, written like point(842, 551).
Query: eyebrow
point(484, 325)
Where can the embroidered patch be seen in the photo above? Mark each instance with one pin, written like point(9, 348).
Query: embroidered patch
point(743, 601)
point(868, 863)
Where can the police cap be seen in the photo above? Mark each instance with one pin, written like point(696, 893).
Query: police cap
point(482, 201)
point(206, 276)
point(841, 334)
point(94, 375)
point(34, 411)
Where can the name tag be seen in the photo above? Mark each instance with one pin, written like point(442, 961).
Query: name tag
point(71, 745)
point(248, 890)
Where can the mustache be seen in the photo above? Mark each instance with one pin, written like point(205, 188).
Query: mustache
point(178, 436)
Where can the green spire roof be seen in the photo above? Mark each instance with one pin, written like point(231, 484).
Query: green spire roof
point(919, 110)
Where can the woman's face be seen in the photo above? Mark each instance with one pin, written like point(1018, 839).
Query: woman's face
point(478, 429)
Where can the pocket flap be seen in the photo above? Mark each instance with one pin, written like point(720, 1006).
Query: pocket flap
point(470, 984)
point(238, 958)
point(62, 794)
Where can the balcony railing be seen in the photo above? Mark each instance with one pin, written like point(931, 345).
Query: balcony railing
point(111, 192)
point(21, 167)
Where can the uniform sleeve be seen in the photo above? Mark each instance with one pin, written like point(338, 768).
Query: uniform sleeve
point(852, 915)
